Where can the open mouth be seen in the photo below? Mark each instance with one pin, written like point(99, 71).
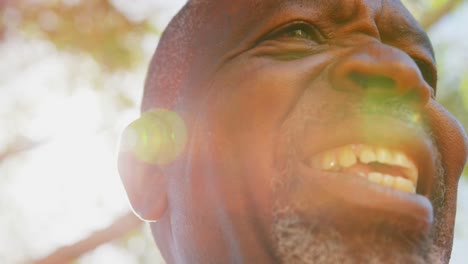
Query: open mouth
point(380, 165)
point(369, 164)
point(382, 150)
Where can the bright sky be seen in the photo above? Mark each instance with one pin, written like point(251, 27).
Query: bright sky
point(69, 187)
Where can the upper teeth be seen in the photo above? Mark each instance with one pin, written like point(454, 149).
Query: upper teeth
point(347, 156)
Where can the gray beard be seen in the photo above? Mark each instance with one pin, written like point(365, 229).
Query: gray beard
point(299, 240)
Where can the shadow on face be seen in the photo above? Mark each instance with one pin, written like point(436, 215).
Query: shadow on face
point(314, 136)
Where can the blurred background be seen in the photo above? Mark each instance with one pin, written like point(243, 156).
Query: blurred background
point(71, 78)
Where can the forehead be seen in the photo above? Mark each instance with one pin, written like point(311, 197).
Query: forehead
point(330, 7)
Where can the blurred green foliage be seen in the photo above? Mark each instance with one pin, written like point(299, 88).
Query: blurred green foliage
point(94, 27)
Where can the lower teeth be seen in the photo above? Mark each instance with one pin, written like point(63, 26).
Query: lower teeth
point(397, 183)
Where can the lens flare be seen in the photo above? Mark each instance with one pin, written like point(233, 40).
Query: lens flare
point(416, 118)
point(157, 137)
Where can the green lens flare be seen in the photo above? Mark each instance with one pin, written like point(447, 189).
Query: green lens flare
point(416, 118)
point(144, 138)
point(158, 136)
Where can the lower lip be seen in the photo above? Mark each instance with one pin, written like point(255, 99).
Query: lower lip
point(356, 192)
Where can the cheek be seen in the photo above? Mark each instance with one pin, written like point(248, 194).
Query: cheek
point(248, 104)
point(452, 144)
point(451, 141)
point(252, 100)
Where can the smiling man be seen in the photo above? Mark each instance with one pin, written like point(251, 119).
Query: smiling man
point(313, 132)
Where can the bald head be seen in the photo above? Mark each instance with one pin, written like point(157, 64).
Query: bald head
point(172, 59)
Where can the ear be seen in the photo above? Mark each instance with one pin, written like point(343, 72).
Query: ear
point(145, 184)
point(155, 139)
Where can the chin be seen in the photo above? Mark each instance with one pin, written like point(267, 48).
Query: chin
point(322, 230)
point(308, 241)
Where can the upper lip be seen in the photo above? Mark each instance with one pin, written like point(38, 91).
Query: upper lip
point(379, 131)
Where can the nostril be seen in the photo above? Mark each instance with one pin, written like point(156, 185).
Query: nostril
point(380, 71)
point(366, 81)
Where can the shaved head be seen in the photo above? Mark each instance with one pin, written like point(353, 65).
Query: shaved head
point(171, 62)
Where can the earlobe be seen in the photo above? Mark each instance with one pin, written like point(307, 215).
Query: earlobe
point(145, 184)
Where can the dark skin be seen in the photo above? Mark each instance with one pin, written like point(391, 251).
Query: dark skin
point(263, 86)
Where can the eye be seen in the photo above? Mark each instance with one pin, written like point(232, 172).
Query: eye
point(296, 31)
point(292, 41)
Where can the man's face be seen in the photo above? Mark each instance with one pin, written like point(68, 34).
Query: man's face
point(315, 137)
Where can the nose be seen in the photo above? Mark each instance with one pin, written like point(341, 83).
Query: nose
point(380, 70)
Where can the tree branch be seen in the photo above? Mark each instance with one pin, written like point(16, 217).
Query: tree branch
point(19, 146)
point(120, 227)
